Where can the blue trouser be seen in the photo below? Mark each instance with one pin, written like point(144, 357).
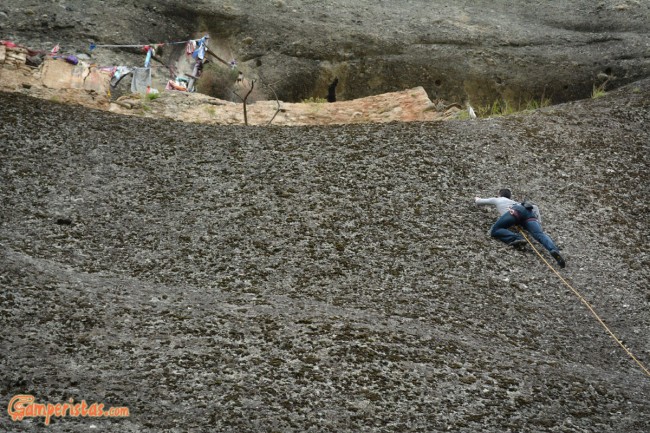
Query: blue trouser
point(525, 219)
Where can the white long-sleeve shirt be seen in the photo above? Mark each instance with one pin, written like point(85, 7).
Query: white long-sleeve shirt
point(503, 205)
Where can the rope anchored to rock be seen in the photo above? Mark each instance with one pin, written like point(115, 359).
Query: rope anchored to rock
point(588, 305)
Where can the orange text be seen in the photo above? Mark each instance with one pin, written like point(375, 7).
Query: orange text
point(23, 406)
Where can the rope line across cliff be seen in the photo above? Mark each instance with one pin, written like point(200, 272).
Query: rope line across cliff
point(588, 305)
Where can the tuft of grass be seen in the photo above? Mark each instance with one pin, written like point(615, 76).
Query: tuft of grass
point(534, 104)
point(499, 107)
point(152, 96)
point(314, 100)
point(462, 115)
point(503, 107)
point(598, 91)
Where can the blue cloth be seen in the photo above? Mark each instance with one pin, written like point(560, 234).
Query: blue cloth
point(521, 216)
point(147, 60)
point(199, 52)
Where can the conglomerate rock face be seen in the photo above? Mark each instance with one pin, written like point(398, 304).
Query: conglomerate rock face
point(334, 279)
point(480, 50)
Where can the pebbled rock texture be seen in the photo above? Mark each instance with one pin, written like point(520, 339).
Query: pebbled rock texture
point(323, 279)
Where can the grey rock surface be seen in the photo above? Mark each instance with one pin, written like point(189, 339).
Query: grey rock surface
point(480, 50)
point(324, 279)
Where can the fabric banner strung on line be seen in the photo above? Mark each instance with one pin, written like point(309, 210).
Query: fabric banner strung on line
point(141, 80)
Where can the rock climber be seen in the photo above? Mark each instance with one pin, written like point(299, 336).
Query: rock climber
point(526, 215)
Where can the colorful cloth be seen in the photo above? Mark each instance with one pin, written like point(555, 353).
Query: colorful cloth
point(151, 51)
point(119, 72)
point(73, 60)
point(190, 47)
point(201, 48)
point(175, 85)
point(8, 44)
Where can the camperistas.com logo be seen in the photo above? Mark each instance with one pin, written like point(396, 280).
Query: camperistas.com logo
point(24, 406)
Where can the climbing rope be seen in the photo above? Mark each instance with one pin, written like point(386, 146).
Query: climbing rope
point(584, 301)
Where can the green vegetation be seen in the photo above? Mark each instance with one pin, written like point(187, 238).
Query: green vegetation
point(152, 96)
point(598, 91)
point(463, 115)
point(534, 104)
point(314, 100)
point(502, 107)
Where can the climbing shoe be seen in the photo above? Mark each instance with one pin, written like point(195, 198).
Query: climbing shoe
point(558, 258)
point(517, 243)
